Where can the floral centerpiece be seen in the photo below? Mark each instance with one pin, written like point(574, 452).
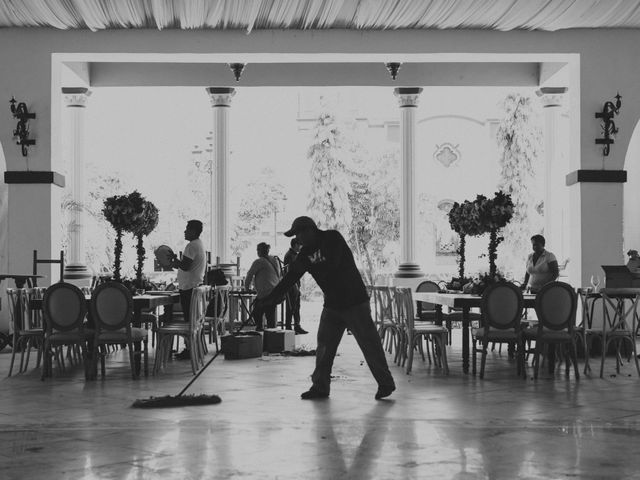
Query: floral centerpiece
point(122, 212)
point(494, 214)
point(464, 220)
point(478, 285)
point(146, 224)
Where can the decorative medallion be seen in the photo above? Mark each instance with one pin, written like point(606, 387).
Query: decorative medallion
point(447, 154)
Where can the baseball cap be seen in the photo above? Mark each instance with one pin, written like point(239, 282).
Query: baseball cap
point(298, 224)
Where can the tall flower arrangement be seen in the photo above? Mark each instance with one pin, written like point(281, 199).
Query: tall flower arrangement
point(483, 215)
point(494, 214)
point(464, 219)
point(122, 212)
point(146, 224)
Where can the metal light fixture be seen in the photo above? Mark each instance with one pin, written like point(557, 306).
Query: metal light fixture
point(237, 69)
point(21, 132)
point(393, 68)
point(609, 129)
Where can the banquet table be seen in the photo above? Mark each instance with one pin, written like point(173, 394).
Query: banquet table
point(466, 302)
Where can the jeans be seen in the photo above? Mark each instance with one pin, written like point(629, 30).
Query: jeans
point(332, 326)
point(292, 305)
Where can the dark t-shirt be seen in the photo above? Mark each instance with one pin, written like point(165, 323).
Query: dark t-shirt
point(331, 265)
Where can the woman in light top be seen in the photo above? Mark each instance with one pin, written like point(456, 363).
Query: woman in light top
point(542, 265)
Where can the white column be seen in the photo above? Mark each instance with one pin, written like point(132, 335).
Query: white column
point(408, 101)
point(556, 192)
point(75, 100)
point(221, 103)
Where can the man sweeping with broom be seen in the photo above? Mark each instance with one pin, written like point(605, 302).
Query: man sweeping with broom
point(327, 257)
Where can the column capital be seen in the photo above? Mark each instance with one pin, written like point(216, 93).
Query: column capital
point(221, 96)
point(551, 96)
point(76, 97)
point(408, 96)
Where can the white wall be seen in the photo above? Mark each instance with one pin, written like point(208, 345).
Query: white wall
point(607, 64)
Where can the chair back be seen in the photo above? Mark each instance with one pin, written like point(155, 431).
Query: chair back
point(111, 306)
point(219, 303)
point(502, 306)
point(384, 304)
point(18, 308)
point(64, 307)
point(37, 261)
point(198, 306)
point(426, 286)
point(556, 305)
point(404, 307)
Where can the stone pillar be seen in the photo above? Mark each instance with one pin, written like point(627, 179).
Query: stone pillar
point(408, 101)
point(556, 198)
point(221, 103)
point(76, 270)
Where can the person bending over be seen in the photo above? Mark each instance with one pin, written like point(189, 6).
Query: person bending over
point(327, 257)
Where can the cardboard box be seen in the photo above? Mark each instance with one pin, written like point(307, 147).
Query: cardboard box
point(242, 345)
point(277, 341)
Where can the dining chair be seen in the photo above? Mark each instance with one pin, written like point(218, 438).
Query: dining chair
point(38, 260)
point(386, 321)
point(112, 312)
point(64, 309)
point(556, 306)
point(413, 331)
point(26, 325)
point(620, 311)
point(590, 327)
point(191, 331)
point(502, 306)
point(217, 314)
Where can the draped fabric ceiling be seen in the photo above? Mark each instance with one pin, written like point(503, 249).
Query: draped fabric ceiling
point(249, 15)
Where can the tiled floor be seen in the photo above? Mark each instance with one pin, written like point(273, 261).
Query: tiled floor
point(433, 426)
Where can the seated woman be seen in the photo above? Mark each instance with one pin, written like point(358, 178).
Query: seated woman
point(542, 266)
point(634, 261)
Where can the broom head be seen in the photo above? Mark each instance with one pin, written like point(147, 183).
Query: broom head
point(176, 401)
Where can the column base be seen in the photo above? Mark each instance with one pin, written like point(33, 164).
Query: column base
point(77, 274)
point(409, 270)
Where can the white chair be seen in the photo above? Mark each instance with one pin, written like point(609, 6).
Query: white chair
point(191, 331)
point(413, 331)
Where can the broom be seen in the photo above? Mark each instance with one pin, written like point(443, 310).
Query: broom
point(181, 400)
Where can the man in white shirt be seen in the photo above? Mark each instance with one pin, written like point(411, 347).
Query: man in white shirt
point(190, 270)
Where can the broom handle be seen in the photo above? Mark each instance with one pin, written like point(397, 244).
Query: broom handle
point(198, 374)
point(215, 356)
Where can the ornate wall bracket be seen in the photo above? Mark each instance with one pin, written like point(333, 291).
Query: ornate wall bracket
point(609, 129)
point(21, 132)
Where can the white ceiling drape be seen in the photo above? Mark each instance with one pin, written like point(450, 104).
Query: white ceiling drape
point(249, 15)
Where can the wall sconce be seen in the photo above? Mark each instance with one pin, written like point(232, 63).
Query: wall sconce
point(609, 129)
point(394, 68)
point(237, 69)
point(21, 133)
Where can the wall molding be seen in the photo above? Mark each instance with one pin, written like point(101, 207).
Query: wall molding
point(32, 177)
point(596, 176)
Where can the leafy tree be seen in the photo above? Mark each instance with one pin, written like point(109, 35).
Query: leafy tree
point(330, 178)
point(264, 198)
point(519, 138)
point(375, 215)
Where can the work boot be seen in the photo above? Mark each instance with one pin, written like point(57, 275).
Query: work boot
point(299, 330)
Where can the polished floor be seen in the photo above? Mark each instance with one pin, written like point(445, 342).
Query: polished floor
point(433, 426)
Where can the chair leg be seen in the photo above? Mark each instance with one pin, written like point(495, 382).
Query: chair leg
point(574, 358)
point(483, 360)
point(411, 346)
